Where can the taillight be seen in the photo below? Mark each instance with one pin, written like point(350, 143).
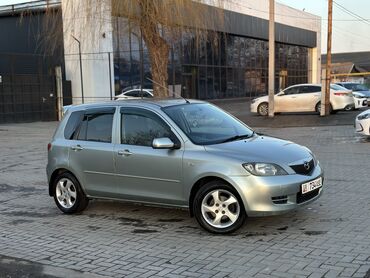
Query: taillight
point(341, 94)
point(49, 146)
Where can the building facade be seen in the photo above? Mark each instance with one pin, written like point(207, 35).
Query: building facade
point(237, 66)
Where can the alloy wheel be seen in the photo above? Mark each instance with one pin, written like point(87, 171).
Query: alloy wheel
point(66, 193)
point(220, 208)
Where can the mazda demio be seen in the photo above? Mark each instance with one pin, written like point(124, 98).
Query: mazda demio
point(177, 152)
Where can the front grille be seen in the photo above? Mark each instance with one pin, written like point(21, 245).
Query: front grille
point(301, 198)
point(280, 200)
point(303, 169)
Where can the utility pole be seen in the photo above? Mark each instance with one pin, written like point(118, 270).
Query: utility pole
point(325, 98)
point(271, 86)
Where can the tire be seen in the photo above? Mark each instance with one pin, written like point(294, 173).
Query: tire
point(214, 203)
point(318, 107)
point(263, 109)
point(68, 194)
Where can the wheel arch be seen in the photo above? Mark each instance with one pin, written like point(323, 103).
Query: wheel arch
point(58, 172)
point(204, 180)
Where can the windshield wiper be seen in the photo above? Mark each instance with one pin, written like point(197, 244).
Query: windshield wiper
point(238, 137)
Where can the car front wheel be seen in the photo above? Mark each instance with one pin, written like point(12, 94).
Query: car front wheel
point(263, 109)
point(218, 208)
point(68, 194)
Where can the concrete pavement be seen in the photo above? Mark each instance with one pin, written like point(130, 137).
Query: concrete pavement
point(328, 238)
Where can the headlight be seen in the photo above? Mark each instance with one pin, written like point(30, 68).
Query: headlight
point(253, 100)
point(363, 117)
point(264, 169)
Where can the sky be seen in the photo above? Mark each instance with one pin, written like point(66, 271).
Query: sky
point(350, 34)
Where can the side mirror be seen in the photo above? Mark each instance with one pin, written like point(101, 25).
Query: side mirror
point(280, 94)
point(163, 143)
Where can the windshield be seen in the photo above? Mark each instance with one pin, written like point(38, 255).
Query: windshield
point(206, 124)
point(355, 87)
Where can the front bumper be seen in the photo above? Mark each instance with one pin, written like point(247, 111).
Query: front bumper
point(360, 102)
point(362, 127)
point(263, 196)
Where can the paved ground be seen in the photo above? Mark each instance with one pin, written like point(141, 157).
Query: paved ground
point(330, 237)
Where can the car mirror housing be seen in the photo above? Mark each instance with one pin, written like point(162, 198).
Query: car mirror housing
point(163, 143)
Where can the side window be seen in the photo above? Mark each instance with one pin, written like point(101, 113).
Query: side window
point(313, 89)
point(291, 91)
point(72, 124)
point(141, 128)
point(96, 127)
point(132, 94)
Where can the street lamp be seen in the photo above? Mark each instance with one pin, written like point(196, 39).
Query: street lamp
point(79, 53)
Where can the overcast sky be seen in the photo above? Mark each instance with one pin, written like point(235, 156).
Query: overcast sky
point(349, 33)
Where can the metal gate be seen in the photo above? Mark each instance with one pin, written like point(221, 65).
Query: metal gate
point(27, 98)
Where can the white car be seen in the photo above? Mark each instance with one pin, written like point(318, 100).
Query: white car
point(359, 98)
point(304, 98)
point(135, 94)
point(363, 123)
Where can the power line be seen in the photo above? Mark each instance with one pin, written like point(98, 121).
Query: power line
point(295, 16)
point(344, 9)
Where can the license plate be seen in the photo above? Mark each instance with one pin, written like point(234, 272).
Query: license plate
point(312, 185)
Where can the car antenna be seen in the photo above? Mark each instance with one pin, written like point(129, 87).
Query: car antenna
point(173, 93)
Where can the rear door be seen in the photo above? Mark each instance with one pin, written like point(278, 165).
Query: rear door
point(143, 173)
point(308, 97)
point(91, 152)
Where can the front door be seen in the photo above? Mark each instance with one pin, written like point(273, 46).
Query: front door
point(287, 101)
point(143, 173)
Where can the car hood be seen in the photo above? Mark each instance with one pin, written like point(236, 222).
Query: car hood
point(263, 149)
point(365, 93)
point(364, 113)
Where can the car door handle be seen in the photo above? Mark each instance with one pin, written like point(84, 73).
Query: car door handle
point(77, 148)
point(293, 97)
point(124, 152)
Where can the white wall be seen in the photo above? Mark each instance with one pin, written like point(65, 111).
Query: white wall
point(79, 20)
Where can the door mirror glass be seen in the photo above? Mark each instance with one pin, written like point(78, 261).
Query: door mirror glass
point(163, 143)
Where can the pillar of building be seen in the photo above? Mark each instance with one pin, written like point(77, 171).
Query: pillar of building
point(88, 23)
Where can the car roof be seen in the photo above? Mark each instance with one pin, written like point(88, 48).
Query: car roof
point(148, 103)
point(305, 84)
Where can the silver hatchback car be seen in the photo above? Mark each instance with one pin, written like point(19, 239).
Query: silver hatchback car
point(179, 153)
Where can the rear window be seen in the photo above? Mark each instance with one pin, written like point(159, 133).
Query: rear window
point(72, 124)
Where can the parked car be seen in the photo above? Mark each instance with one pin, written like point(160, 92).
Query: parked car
point(149, 151)
point(135, 93)
point(362, 123)
point(359, 99)
point(303, 98)
point(357, 88)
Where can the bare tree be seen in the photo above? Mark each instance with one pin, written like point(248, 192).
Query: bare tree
point(160, 22)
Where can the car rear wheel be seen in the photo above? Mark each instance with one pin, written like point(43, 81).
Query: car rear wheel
point(218, 208)
point(68, 194)
point(318, 109)
point(263, 109)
